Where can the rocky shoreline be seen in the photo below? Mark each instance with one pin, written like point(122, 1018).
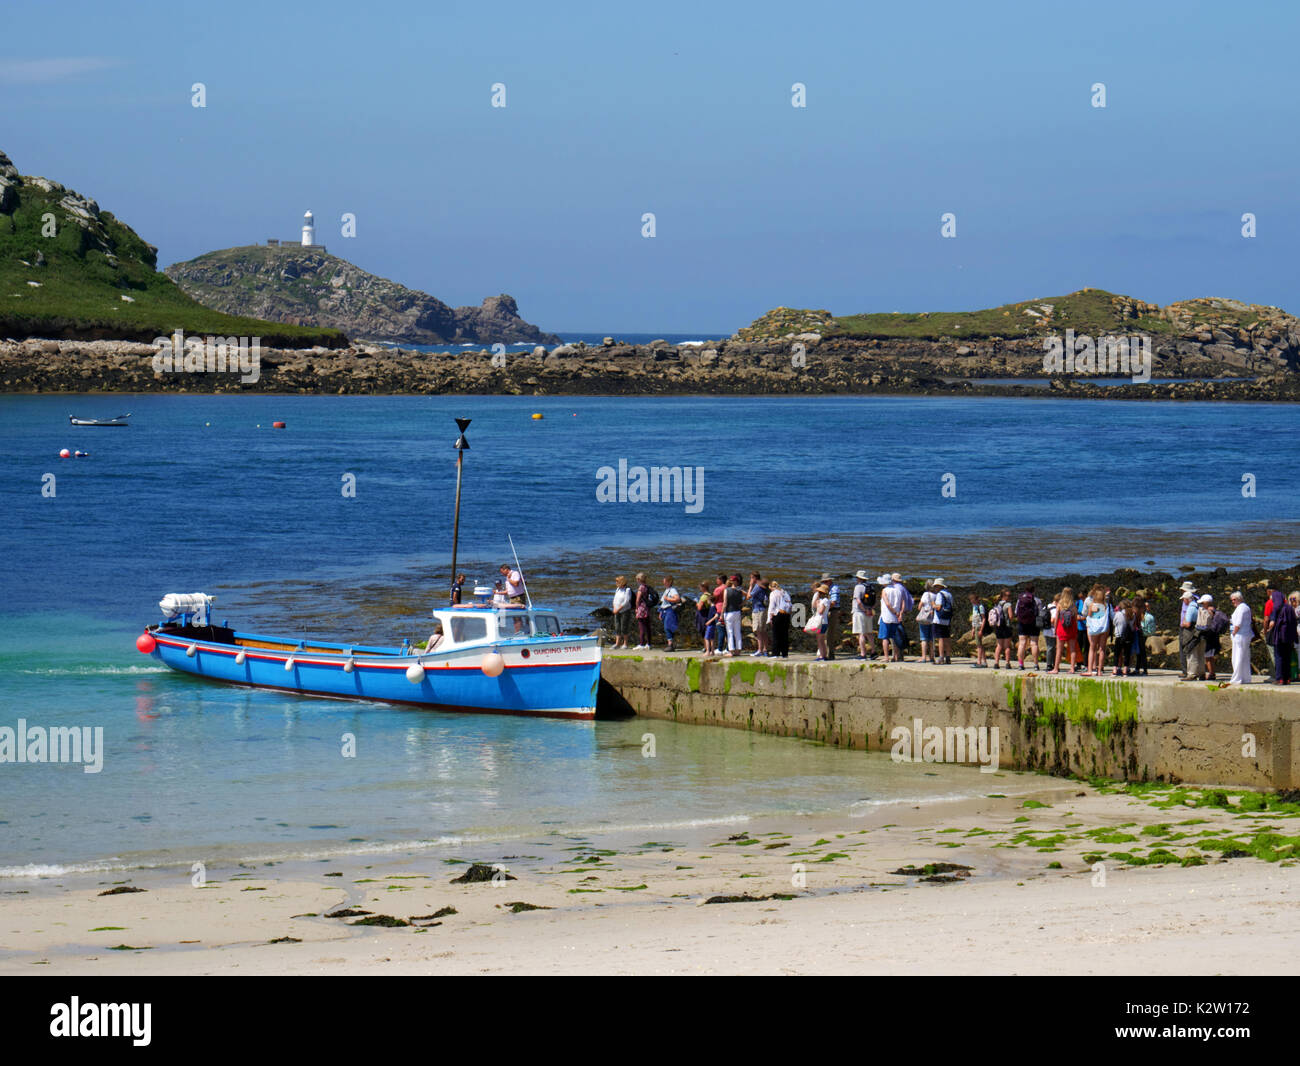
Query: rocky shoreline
point(805, 364)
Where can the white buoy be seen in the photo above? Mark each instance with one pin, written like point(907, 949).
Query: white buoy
point(492, 664)
point(348, 667)
point(192, 650)
point(288, 663)
point(415, 673)
point(240, 656)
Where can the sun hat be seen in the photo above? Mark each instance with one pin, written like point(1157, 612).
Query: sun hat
point(1207, 598)
point(826, 577)
point(822, 588)
point(1187, 586)
point(939, 583)
point(895, 576)
point(861, 575)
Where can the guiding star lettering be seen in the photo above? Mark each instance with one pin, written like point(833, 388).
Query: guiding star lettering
point(658, 484)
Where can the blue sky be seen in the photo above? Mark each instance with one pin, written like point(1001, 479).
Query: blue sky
point(684, 110)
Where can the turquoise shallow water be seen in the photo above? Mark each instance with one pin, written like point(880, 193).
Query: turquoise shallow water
point(195, 496)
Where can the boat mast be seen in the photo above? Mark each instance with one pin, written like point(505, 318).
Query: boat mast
point(462, 446)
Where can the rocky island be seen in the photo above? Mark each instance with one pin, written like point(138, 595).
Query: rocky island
point(311, 287)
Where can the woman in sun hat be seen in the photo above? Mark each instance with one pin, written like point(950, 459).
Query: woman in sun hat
point(821, 605)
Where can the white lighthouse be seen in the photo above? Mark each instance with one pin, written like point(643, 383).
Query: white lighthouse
point(308, 230)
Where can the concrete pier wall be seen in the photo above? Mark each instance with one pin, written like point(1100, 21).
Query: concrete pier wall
point(1124, 728)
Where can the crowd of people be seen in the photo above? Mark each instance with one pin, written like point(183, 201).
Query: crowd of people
point(1093, 633)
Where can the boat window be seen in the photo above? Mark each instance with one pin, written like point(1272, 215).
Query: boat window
point(467, 627)
point(511, 626)
point(546, 625)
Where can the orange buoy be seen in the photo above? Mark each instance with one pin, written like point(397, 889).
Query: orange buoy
point(277, 425)
point(145, 643)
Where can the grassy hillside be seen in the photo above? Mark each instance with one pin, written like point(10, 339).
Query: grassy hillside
point(1091, 311)
point(1095, 312)
point(71, 283)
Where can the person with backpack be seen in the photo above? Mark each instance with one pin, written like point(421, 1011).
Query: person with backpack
point(1047, 628)
point(646, 600)
point(1211, 625)
point(1027, 623)
point(978, 622)
point(925, 624)
point(833, 614)
point(1000, 617)
point(943, 608)
point(1066, 631)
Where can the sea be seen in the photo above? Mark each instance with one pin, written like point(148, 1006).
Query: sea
point(340, 524)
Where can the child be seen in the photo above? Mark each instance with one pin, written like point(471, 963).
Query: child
point(711, 626)
point(977, 616)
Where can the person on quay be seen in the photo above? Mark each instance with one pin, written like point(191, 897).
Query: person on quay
point(833, 614)
point(641, 608)
point(864, 611)
point(733, 602)
point(778, 616)
point(758, 597)
point(978, 619)
point(1243, 633)
point(670, 602)
point(943, 611)
point(623, 614)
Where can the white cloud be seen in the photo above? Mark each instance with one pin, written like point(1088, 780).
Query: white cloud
point(43, 71)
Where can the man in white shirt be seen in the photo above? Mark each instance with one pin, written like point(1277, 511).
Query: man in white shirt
point(514, 582)
point(1242, 634)
point(893, 605)
point(863, 616)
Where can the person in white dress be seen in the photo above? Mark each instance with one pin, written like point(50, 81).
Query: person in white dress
point(1242, 634)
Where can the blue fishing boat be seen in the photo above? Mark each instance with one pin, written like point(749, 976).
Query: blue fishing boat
point(481, 656)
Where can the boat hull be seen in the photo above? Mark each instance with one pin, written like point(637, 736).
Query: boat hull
point(547, 678)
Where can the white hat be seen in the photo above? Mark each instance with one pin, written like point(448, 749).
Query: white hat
point(883, 579)
point(1189, 594)
point(939, 583)
point(895, 576)
point(1187, 586)
point(861, 575)
point(1207, 598)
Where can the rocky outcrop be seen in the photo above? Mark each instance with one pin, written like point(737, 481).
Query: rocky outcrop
point(1211, 337)
point(310, 287)
point(723, 368)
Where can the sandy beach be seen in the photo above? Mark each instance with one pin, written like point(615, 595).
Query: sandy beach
point(1053, 887)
